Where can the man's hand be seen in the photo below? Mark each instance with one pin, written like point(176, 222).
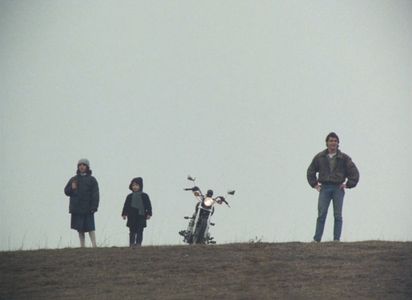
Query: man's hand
point(74, 185)
point(343, 186)
point(148, 217)
point(124, 217)
point(318, 187)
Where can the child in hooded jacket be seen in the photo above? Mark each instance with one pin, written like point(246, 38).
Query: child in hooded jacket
point(137, 209)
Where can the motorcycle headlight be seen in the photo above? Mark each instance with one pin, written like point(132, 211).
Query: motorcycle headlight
point(208, 202)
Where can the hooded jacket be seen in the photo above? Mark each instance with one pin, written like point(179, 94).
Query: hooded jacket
point(345, 169)
point(84, 199)
point(134, 219)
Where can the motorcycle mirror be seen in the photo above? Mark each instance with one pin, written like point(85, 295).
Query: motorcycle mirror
point(190, 178)
point(232, 192)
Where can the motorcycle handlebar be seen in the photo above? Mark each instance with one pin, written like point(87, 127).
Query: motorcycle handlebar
point(221, 198)
point(193, 189)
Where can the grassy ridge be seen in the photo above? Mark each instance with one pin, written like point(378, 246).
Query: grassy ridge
point(361, 270)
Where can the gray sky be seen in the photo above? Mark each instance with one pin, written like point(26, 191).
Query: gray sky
point(240, 94)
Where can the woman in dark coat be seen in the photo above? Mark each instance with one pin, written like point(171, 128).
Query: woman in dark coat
point(83, 191)
point(137, 209)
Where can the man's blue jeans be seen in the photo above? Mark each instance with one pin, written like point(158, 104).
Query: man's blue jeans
point(327, 193)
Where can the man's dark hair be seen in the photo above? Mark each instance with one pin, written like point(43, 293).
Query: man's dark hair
point(332, 135)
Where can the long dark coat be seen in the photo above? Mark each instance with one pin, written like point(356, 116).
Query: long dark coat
point(134, 219)
point(85, 199)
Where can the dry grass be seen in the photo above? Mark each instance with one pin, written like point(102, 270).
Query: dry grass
point(363, 270)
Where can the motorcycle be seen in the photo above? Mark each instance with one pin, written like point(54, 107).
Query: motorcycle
point(197, 231)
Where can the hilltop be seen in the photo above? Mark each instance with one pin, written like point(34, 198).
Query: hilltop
point(359, 270)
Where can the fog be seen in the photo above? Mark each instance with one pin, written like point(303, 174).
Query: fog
point(239, 94)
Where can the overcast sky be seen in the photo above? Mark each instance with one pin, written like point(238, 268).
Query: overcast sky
point(239, 94)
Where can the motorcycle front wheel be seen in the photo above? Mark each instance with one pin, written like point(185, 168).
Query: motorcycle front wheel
point(199, 236)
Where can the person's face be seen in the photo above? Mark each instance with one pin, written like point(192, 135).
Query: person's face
point(332, 144)
point(82, 168)
point(135, 187)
